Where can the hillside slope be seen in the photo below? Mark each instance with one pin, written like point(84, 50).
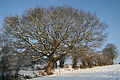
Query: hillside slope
point(111, 72)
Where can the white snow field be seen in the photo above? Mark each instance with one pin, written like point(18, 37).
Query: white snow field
point(111, 72)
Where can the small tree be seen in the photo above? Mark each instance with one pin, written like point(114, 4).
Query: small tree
point(111, 52)
point(83, 55)
point(5, 65)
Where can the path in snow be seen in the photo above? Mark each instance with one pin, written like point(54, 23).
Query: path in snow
point(98, 73)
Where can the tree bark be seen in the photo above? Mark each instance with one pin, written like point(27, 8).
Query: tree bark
point(55, 65)
point(74, 62)
point(89, 64)
point(83, 61)
point(50, 67)
point(52, 62)
point(62, 61)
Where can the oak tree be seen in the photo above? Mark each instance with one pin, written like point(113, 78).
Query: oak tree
point(54, 31)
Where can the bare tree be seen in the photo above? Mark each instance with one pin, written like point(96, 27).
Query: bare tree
point(111, 52)
point(86, 57)
point(6, 50)
point(4, 64)
point(54, 31)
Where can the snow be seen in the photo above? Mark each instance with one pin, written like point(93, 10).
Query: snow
point(28, 73)
point(111, 72)
point(61, 70)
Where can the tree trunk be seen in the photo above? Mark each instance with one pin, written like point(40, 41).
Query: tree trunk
point(52, 62)
point(83, 61)
point(62, 61)
point(74, 62)
point(89, 64)
point(55, 65)
point(50, 67)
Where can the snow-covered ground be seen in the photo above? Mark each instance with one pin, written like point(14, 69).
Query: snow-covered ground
point(111, 72)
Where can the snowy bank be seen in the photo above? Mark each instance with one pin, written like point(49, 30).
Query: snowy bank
point(111, 72)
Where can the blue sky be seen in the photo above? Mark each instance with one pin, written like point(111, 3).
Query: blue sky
point(107, 10)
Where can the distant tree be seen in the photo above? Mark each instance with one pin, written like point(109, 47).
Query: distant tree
point(111, 52)
point(84, 56)
point(76, 55)
point(87, 58)
point(4, 64)
point(7, 61)
point(4, 54)
point(54, 31)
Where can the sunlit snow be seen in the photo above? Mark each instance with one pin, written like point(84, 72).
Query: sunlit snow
point(111, 72)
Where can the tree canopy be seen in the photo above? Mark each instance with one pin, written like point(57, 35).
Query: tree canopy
point(54, 31)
